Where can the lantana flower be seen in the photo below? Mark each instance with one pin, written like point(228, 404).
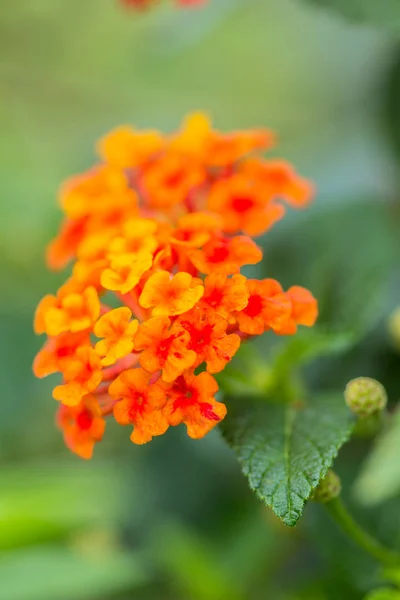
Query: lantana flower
point(157, 234)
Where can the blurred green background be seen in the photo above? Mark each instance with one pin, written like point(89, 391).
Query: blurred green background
point(175, 519)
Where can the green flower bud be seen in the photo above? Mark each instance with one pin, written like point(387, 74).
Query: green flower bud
point(365, 396)
point(328, 488)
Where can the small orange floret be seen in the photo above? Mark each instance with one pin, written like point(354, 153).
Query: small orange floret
point(209, 340)
point(82, 425)
point(170, 295)
point(57, 352)
point(97, 193)
point(304, 310)
point(191, 401)
point(164, 348)
point(47, 302)
point(126, 148)
point(223, 295)
point(82, 375)
point(268, 307)
point(195, 229)
point(226, 255)
point(87, 273)
point(125, 271)
point(230, 148)
point(137, 236)
point(168, 181)
point(95, 244)
point(244, 205)
point(139, 403)
point(118, 330)
point(70, 311)
point(64, 247)
point(280, 180)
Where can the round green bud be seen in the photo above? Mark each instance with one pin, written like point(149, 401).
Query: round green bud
point(365, 396)
point(328, 488)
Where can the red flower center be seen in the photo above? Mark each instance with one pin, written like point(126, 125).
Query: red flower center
point(137, 405)
point(215, 298)
point(188, 398)
point(84, 420)
point(242, 204)
point(65, 351)
point(219, 254)
point(174, 179)
point(163, 348)
point(199, 337)
point(254, 306)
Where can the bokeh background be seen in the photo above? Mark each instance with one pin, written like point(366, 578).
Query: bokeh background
point(174, 520)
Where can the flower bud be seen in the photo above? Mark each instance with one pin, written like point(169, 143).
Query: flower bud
point(328, 489)
point(365, 396)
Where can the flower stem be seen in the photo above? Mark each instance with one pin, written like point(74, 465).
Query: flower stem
point(343, 518)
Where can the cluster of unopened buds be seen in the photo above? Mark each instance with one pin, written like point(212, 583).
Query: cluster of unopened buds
point(140, 4)
point(156, 304)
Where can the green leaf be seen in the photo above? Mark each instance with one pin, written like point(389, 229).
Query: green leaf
point(57, 572)
point(285, 449)
point(391, 105)
point(384, 594)
point(193, 564)
point(392, 574)
point(382, 13)
point(309, 344)
point(379, 479)
point(60, 501)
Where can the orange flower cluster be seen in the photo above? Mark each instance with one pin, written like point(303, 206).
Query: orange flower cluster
point(156, 304)
point(140, 4)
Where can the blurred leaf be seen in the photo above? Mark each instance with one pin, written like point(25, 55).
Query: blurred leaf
point(380, 477)
point(309, 344)
point(248, 374)
point(59, 573)
point(193, 565)
point(393, 575)
point(376, 12)
point(285, 449)
point(254, 535)
point(60, 501)
point(384, 594)
point(391, 105)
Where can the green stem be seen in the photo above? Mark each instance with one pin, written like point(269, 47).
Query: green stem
point(343, 518)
